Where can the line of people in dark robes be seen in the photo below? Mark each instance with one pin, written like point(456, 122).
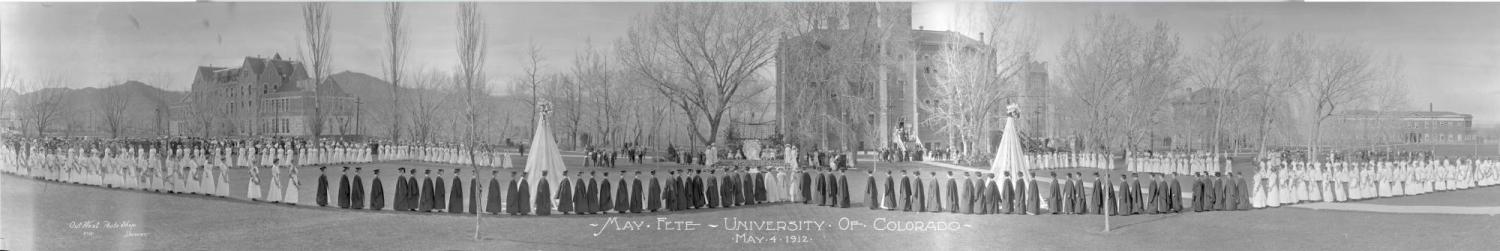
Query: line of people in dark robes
point(681, 190)
point(983, 193)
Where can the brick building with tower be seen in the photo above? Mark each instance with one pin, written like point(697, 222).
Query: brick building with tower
point(262, 97)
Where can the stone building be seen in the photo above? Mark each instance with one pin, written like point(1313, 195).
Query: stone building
point(263, 97)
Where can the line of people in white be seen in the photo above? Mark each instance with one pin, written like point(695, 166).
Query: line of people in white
point(1173, 162)
point(1064, 160)
point(1290, 182)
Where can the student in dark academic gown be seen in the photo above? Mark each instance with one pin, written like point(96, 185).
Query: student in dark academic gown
point(1165, 196)
point(760, 187)
point(543, 196)
point(843, 188)
point(890, 192)
point(905, 197)
point(635, 193)
point(696, 194)
point(1054, 196)
point(1123, 203)
point(1215, 190)
point(1126, 193)
point(413, 191)
point(564, 195)
point(1153, 196)
point(1080, 203)
point(672, 191)
point(1244, 197)
point(474, 191)
point(653, 193)
point(805, 184)
point(605, 201)
point(1231, 193)
point(872, 191)
point(1138, 196)
point(513, 195)
point(357, 191)
point(991, 195)
point(400, 198)
point(933, 193)
point(377, 192)
point(726, 189)
point(494, 204)
point(817, 189)
point(588, 203)
point(439, 193)
point(622, 194)
point(1197, 193)
point(344, 189)
point(985, 203)
point(524, 205)
point(711, 192)
point(322, 186)
point(1174, 193)
point(456, 195)
point(830, 189)
point(966, 197)
point(427, 195)
point(682, 191)
point(747, 188)
point(1109, 198)
point(1096, 195)
point(918, 199)
point(1007, 203)
point(1019, 202)
point(951, 193)
point(1069, 198)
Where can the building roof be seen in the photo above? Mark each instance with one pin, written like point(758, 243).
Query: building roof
point(1405, 114)
point(932, 36)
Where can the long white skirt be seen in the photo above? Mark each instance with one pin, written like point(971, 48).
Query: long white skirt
point(274, 195)
point(1274, 196)
point(291, 195)
point(222, 188)
point(252, 191)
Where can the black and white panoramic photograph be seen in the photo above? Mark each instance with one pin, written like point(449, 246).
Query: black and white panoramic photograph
point(768, 125)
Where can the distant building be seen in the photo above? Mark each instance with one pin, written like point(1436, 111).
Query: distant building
point(1036, 113)
point(897, 85)
point(262, 97)
point(1366, 126)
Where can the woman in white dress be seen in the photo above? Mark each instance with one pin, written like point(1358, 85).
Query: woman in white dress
point(207, 182)
point(253, 188)
point(221, 181)
point(293, 183)
point(274, 195)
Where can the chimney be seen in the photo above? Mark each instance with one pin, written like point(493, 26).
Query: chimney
point(1429, 107)
point(921, 28)
point(981, 37)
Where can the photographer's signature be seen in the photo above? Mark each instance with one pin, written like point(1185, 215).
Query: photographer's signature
point(88, 228)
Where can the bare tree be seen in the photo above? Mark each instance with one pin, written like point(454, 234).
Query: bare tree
point(45, 106)
point(531, 82)
point(568, 98)
point(113, 102)
point(472, 42)
point(1235, 59)
point(1289, 68)
point(396, 44)
point(701, 55)
point(317, 21)
point(1342, 74)
point(426, 104)
point(594, 78)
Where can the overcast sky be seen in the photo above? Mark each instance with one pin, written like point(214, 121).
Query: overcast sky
point(1451, 50)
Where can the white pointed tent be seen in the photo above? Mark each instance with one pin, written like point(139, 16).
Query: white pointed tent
point(544, 155)
point(1008, 155)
